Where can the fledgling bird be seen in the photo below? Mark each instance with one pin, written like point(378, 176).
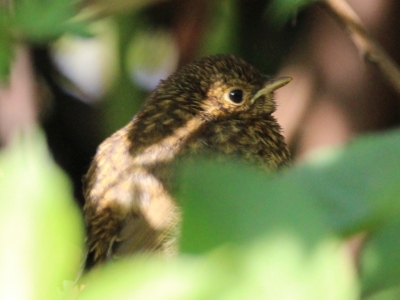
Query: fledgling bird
point(217, 104)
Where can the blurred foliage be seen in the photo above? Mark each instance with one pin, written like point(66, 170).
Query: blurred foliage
point(245, 235)
point(40, 226)
point(333, 196)
point(6, 45)
point(274, 268)
point(220, 36)
point(35, 21)
point(381, 251)
point(339, 193)
point(281, 11)
point(41, 20)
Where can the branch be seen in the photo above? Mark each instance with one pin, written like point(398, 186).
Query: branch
point(368, 48)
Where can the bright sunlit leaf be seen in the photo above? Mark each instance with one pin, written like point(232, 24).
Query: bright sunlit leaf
point(40, 227)
point(274, 268)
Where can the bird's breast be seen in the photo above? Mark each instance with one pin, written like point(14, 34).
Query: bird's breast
point(256, 140)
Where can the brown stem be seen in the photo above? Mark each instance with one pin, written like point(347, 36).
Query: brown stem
point(368, 48)
point(18, 98)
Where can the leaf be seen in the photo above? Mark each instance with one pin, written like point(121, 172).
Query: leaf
point(153, 278)
point(282, 267)
point(356, 186)
point(40, 227)
point(221, 34)
point(42, 20)
point(275, 268)
point(6, 47)
point(379, 259)
point(233, 203)
point(281, 11)
point(341, 192)
point(387, 294)
point(338, 193)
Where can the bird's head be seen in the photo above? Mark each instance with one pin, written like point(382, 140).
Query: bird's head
point(210, 90)
point(220, 86)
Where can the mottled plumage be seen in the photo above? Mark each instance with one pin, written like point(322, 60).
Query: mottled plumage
point(216, 104)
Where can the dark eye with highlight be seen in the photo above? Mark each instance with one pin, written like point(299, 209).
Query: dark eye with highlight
point(236, 96)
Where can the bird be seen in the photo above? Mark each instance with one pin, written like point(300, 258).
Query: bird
point(217, 104)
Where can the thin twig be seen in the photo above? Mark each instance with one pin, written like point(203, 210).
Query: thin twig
point(369, 49)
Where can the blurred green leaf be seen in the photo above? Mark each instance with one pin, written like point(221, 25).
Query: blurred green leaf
point(235, 203)
point(281, 11)
point(6, 46)
point(379, 259)
point(387, 294)
point(343, 191)
point(6, 55)
point(151, 56)
point(41, 20)
point(79, 28)
point(356, 186)
point(275, 268)
point(40, 227)
point(339, 193)
point(221, 32)
point(282, 267)
point(125, 98)
point(153, 278)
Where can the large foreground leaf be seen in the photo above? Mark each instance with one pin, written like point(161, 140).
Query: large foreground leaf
point(40, 228)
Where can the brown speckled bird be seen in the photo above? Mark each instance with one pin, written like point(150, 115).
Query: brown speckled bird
point(217, 104)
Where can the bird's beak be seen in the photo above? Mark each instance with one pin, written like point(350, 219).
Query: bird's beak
point(271, 86)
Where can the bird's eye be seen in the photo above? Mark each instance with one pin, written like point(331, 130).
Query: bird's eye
point(236, 96)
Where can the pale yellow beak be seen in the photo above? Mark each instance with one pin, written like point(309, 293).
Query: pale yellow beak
point(272, 85)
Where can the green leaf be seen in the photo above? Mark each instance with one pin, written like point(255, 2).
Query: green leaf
point(379, 259)
point(41, 20)
point(387, 294)
point(342, 191)
point(282, 267)
point(234, 203)
point(153, 278)
point(6, 46)
point(356, 187)
point(274, 268)
point(79, 28)
point(6, 55)
point(339, 193)
point(281, 11)
point(222, 31)
point(40, 227)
